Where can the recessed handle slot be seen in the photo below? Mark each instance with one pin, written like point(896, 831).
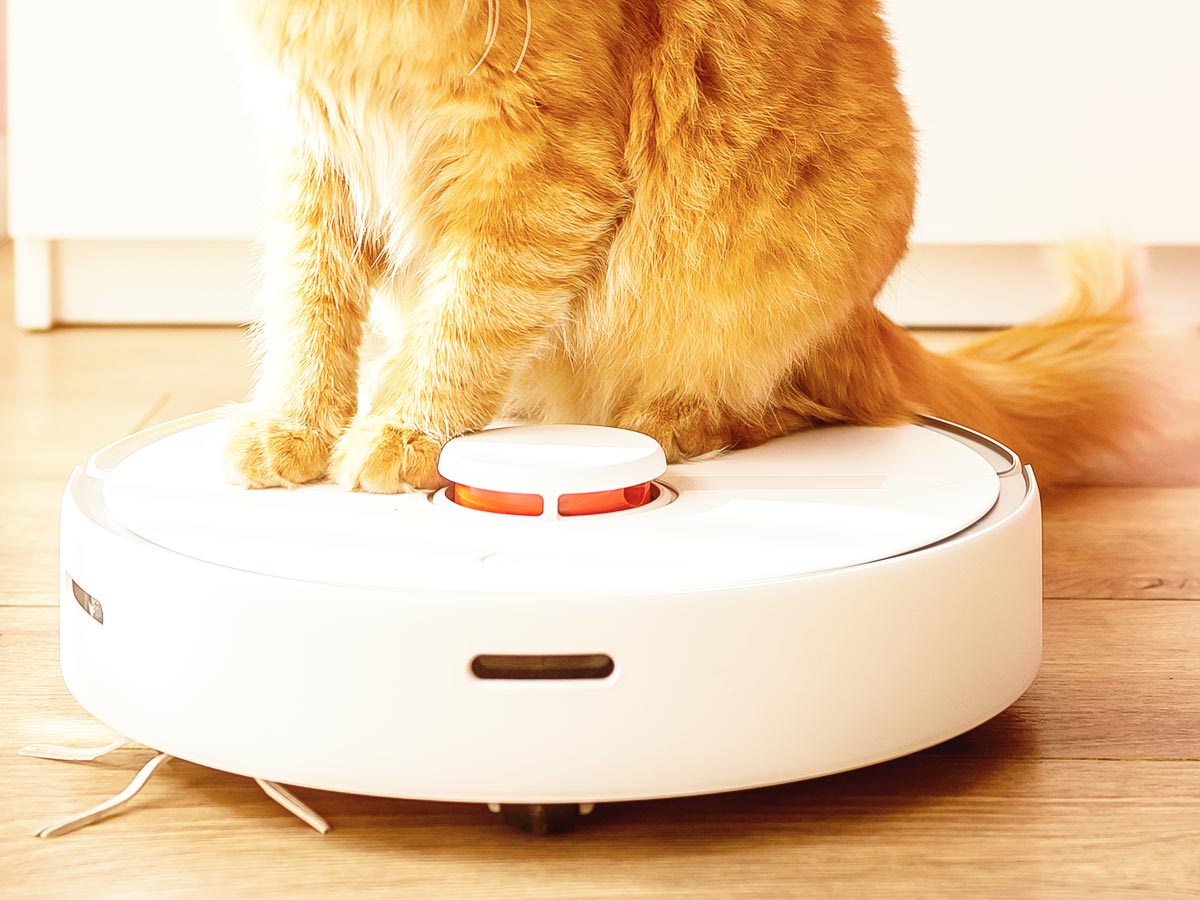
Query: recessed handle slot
point(542, 668)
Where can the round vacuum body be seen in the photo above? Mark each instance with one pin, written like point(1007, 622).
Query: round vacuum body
point(822, 602)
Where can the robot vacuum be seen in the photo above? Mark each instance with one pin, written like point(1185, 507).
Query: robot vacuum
point(572, 621)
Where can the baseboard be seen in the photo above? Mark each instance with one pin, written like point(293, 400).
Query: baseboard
point(153, 282)
point(977, 286)
point(212, 282)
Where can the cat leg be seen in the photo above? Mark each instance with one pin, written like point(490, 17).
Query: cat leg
point(314, 303)
point(501, 277)
point(450, 376)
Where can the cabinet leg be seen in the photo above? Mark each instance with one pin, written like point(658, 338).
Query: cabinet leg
point(32, 284)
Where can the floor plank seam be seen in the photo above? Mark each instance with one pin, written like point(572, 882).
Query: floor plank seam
point(1125, 599)
point(155, 408)
point(1031, 757)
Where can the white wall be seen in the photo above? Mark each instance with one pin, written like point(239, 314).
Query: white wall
point(1042, 119)
point(136, 189)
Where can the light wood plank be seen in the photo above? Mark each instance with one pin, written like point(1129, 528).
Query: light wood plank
point(65, 394)
point(1123, 542)
point(29, 541)
point(1009, 829)
point(1119, 680)
point(1091, 782)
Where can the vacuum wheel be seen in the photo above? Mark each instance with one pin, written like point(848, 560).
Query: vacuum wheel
point(542, 818)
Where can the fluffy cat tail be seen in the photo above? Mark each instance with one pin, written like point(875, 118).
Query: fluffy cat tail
point(1083, 395)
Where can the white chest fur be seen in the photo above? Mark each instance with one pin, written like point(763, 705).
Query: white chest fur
point(376, 151)
point(368, 113)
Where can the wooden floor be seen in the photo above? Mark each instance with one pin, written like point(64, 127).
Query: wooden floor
point(1088, 787)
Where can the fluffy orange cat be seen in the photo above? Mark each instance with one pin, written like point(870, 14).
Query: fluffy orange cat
point(672, 216)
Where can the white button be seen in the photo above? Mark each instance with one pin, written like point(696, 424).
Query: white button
point(552, 460)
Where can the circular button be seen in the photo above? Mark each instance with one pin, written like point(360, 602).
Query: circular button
point(569, 470)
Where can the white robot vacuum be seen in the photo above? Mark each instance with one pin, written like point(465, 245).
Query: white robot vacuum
point(572, 621)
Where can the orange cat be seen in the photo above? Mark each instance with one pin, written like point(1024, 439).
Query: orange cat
point(666, 215)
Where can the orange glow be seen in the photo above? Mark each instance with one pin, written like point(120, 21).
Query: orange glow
point(589, 504)
point(498, 501)
point(605, 501)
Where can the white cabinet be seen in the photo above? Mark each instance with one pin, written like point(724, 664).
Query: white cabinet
point(128, 121)
point(136, 189)
point(135, 185)
point(1043, 119)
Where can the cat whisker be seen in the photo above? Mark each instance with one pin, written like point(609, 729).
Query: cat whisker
point(492, 30)
point(528, 33)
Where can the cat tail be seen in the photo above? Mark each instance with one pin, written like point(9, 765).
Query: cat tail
point(1089, 393)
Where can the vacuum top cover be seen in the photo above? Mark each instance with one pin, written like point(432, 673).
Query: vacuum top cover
point(811, 502)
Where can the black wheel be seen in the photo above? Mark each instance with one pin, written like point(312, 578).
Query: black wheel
point(540, 818)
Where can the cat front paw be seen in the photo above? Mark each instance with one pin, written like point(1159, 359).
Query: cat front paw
point(381, 457)
point(265, 450)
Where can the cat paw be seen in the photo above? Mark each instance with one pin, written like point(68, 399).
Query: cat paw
point(274, 451)
point(683, 429)
point(379, 457)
